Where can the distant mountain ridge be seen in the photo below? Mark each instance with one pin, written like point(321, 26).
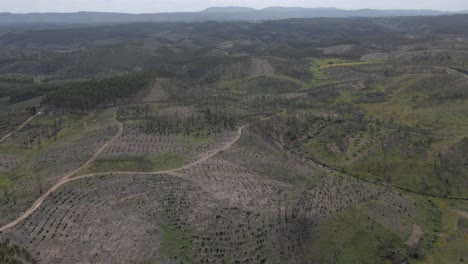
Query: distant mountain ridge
point(228, 9)
point(212, 13)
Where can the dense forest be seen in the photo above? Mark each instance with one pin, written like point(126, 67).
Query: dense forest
point(90, 95)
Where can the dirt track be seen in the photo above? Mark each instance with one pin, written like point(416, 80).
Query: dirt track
point(461, 213)
point(68, 177)
point(65, 179)
point(20, 127)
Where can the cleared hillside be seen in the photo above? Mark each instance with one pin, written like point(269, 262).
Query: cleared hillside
point(326, 140)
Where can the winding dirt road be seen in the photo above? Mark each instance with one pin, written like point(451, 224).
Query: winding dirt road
point(62, 181)
point(68, 177)
point(20, 127)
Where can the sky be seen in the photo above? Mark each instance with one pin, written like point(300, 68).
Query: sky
point(156, 6)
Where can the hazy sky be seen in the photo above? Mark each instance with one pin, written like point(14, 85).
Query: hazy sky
point(153, 6)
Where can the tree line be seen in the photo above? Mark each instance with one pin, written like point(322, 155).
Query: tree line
point(90, 95)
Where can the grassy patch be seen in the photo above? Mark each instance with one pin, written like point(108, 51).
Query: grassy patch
point(175, 242)
point(353, 237)
point(451, 243)
point(4, 181)
point(318, 65)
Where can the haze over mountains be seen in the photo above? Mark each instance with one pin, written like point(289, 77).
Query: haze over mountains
point(213, 13)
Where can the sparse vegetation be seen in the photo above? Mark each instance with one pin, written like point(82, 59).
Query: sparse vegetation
point(304, 140)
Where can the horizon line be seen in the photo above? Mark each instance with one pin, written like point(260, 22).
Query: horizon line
point(254, 9)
